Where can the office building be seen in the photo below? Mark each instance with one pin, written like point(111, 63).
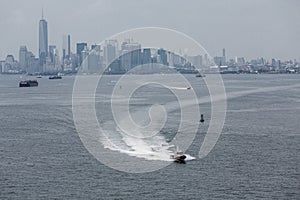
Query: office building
point(80, 47)
point(110, 51)
point(52, 53)
point(43, 41)
point(224, 56)
point(146, 56)
point(66, 47)
point(23, 58)
point(131, 54)
point(197, 61)
point(163, 56)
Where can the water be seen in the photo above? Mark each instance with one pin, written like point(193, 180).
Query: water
point(256, 157)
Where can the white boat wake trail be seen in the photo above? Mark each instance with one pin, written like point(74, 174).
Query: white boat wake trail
point(152, 145)
point(149, 148)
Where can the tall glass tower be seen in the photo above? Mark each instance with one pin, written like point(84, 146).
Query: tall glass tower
point(43, 41)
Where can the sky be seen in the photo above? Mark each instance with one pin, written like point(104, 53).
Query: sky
point(249, 28)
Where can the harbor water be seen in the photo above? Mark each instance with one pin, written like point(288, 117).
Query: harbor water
point(256, 157)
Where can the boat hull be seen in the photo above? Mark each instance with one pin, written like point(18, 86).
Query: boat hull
point(55, 77)
point(179, 158)
point(28, 83)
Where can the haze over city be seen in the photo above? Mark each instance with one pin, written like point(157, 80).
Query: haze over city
point(149, 99)
point(252, 29)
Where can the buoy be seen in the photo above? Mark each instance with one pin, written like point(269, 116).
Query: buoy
point(202, 118)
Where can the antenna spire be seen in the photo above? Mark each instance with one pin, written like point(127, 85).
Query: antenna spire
point(42, 12)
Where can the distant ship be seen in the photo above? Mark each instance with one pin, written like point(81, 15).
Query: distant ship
point(28, 83)
point(200, 75)
point(55, 77)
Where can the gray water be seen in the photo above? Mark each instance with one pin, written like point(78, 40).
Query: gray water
point(256, 157)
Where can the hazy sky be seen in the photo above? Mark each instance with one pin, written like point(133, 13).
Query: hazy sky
point(250, 28)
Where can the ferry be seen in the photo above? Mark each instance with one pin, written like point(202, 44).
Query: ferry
point(28, 83)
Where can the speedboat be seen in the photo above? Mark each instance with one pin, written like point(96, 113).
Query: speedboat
point(178, 157)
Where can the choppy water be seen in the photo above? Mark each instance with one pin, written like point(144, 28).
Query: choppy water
point(256, 157)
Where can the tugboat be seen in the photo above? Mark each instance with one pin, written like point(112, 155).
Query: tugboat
point(28, 83)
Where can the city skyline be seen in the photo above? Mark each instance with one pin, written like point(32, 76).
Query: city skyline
point(114, 60)
point(263, 32)
point(49, 60)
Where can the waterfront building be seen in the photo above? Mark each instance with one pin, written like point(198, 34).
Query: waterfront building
point(94, 64)
point(146, 56)
point(131, 54)
point(10, 59)
point(218, 60)
point(96, 47)
point(240, 61)
point(23, 59)
point(195, 60)
point(74, 61)
point(110, 51)
point(95, 61)
point(1, 65)
point(224, 56)
point(79, 48)
point(69, 46)
point(52, 53)
point(33, 63)
point(163, 56)
point(84, 63)
point(10, 65)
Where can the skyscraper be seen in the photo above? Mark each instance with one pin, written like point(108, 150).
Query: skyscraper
point(131, 54)
point(23, 58)
point(52, 51)
point(66, 46)
point(224, 57)
point(69, 45)
point(163, 56)
point(110, 51)
point(146, 56)
point(43, 41)
point(79, 48)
